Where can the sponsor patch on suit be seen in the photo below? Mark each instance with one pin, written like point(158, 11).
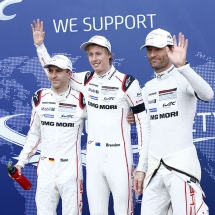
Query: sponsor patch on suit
point(69, 108)
point(168, 104)
point(168, 94)
point(106, 90)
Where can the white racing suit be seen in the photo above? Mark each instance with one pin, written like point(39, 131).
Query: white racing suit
point(56, 124)
point(109, 159)
point(167, 186)
point(170, 100)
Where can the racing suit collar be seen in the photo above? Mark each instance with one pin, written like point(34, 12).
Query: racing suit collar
point(165, 74)
point(107, 76)
point(62, 96)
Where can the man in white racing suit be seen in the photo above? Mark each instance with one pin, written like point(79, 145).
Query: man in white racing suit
point(109, 94)
point(56, 124)
point(172, 168)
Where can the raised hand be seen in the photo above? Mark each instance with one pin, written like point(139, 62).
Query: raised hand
point(38, 33)
point(177, 54)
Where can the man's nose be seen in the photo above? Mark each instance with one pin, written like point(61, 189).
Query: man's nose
point(153, 53)
point(54, 74)
point(94, 57)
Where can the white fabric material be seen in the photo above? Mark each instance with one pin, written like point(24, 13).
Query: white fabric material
point(60, 61)
point(56, 124)
point(109, 158)
point(171, 105)
point(98, 40)
point(170, 192)
point(186, 161)
point(158, 38)
point(170, 100)
point(199, 195)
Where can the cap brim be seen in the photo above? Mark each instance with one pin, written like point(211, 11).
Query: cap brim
point(85, 45)
point(142, 47)
point(54, 64)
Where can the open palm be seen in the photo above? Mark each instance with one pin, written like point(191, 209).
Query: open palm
point(38, 33)
point(178, 53)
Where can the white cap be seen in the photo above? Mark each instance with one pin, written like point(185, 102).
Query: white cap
point(158, 38)
point(98, 40)
point(60, 61)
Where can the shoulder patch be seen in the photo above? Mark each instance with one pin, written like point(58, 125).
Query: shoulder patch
point(88, 77)
point(128, 79)
point(82, 102)
point(37, 97)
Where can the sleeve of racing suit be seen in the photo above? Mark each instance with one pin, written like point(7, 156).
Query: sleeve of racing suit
point(32, 140)
point(201, 88)
point(43, 56)
point(77, 79)
point(135, 99)
point(143, 153)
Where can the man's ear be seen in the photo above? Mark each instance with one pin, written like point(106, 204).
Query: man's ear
point(70, 74)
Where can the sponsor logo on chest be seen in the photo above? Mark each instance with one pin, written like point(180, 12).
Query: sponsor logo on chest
point(93, 90)
point(66, 116)
point(152, 94)
point(168, 94)
point(69, 108)
point(57, 124)
point(95, 85)
point(108, 99)
point(107, 90)
point(111, 107)
point(47, 115)
point(152, 109)
point(47, 109)
point(168, 104)
point(93, 97)
point(164, 115)
point(163, 100)
point(152, 101)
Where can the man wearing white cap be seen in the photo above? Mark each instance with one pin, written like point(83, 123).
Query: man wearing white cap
point(170, 170)
point(109, 95)
point(56, 124)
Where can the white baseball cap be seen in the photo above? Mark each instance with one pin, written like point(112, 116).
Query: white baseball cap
point(60, 61)
point(158, 38)
point(98, 40)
